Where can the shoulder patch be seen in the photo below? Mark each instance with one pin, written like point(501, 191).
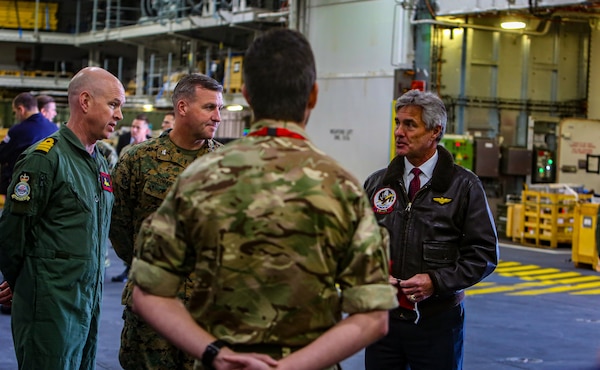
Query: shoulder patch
point(384, 200)
point(442, 200)
point(46, 145)
point(22, 189)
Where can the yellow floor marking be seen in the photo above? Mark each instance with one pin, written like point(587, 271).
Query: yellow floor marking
point(561, 275)
point(504, 288)
point(532, 272)
point(516, 268)
point(558, 289)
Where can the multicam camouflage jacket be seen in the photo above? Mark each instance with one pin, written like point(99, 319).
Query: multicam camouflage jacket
point(270, 225)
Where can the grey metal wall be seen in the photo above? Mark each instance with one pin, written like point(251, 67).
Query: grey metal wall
point(505, 77)
point(355, 44)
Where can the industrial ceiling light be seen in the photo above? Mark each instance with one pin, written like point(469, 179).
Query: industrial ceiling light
point(512, 25)
point(234, 108)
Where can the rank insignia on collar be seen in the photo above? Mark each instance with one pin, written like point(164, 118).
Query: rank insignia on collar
point(106, 182)
point(442, 200)
point(22, 189)
point(384, 200)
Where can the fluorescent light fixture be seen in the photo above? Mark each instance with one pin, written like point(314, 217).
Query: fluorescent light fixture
point(147, 107)
point(234, 108)
point(513, 25)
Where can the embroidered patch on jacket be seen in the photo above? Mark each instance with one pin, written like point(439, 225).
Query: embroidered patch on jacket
point(384, 200)
point(106, 182)
point(22, 189)
point(46, 145)
point(442, 200)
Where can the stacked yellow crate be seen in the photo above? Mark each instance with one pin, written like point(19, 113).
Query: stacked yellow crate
point(530, 217)
point(548, 218)
point(585, 236)
point(21, 15)
point(233, 74)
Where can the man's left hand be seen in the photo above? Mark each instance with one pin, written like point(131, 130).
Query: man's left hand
point(417, 288)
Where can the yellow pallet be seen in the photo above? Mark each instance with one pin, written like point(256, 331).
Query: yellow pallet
point(233, 74)
point(22, 14)
point(548, 219)
point(10, 73)
point(585, 242)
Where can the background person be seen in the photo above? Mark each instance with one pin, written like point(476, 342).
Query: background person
point(443, 240)
point(141, 120)
point(270, 224)
point(54, 231)
point(141, 180)
point(168, 121)
point(31, 128)
point(47, 106)
point(139, 133)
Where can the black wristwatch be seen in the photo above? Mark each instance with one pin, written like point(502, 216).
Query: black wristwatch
point(211, 351)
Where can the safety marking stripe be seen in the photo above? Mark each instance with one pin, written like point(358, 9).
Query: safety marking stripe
point(508, 264)
point(504, 288)
point(587, 292)
point(516, 268)
point(538, 281)
point(539, 271)
point(561, 275)
point(559, 289)
point(580, 279)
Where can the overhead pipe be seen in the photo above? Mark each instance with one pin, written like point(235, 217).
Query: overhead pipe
point(480, 27)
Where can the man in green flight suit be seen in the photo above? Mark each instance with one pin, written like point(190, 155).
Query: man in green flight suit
point(141, 180)
point(54, 231)
point(272, 227)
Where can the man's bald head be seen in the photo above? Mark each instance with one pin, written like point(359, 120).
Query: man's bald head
point(88, 79)
point(96, 98)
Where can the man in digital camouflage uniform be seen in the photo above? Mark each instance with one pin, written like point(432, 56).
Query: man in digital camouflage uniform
point(141, 180)
point(55, 231)
point(270, 224)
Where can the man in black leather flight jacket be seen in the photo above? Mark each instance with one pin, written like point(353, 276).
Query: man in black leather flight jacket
point(445, 234)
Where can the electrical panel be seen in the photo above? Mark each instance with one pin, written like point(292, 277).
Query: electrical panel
point(487, 158)
point(544, 166)
point(516, 161)
point(461, 148)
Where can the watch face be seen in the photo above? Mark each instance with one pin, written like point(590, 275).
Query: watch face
point(211, 351)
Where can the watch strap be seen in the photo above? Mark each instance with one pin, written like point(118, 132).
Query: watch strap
point(211, 351)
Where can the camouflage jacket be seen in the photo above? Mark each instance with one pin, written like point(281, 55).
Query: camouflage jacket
point(109, 153)
point(270, 225)
point(141, 179)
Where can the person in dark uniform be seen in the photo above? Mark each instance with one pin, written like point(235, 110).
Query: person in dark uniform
point(32, 127)
point(127, 139)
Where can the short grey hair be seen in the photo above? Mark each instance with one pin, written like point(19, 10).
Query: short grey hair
point(433, 108)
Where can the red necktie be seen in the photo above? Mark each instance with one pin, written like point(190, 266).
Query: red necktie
point(415, 183)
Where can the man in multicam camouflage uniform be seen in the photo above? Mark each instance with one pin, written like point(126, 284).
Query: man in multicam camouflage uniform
point(141, 180)
point(270, 224)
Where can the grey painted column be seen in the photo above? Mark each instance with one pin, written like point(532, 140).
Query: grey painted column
point(139, 72)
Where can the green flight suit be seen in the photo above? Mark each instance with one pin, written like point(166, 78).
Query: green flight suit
point(53, 237)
